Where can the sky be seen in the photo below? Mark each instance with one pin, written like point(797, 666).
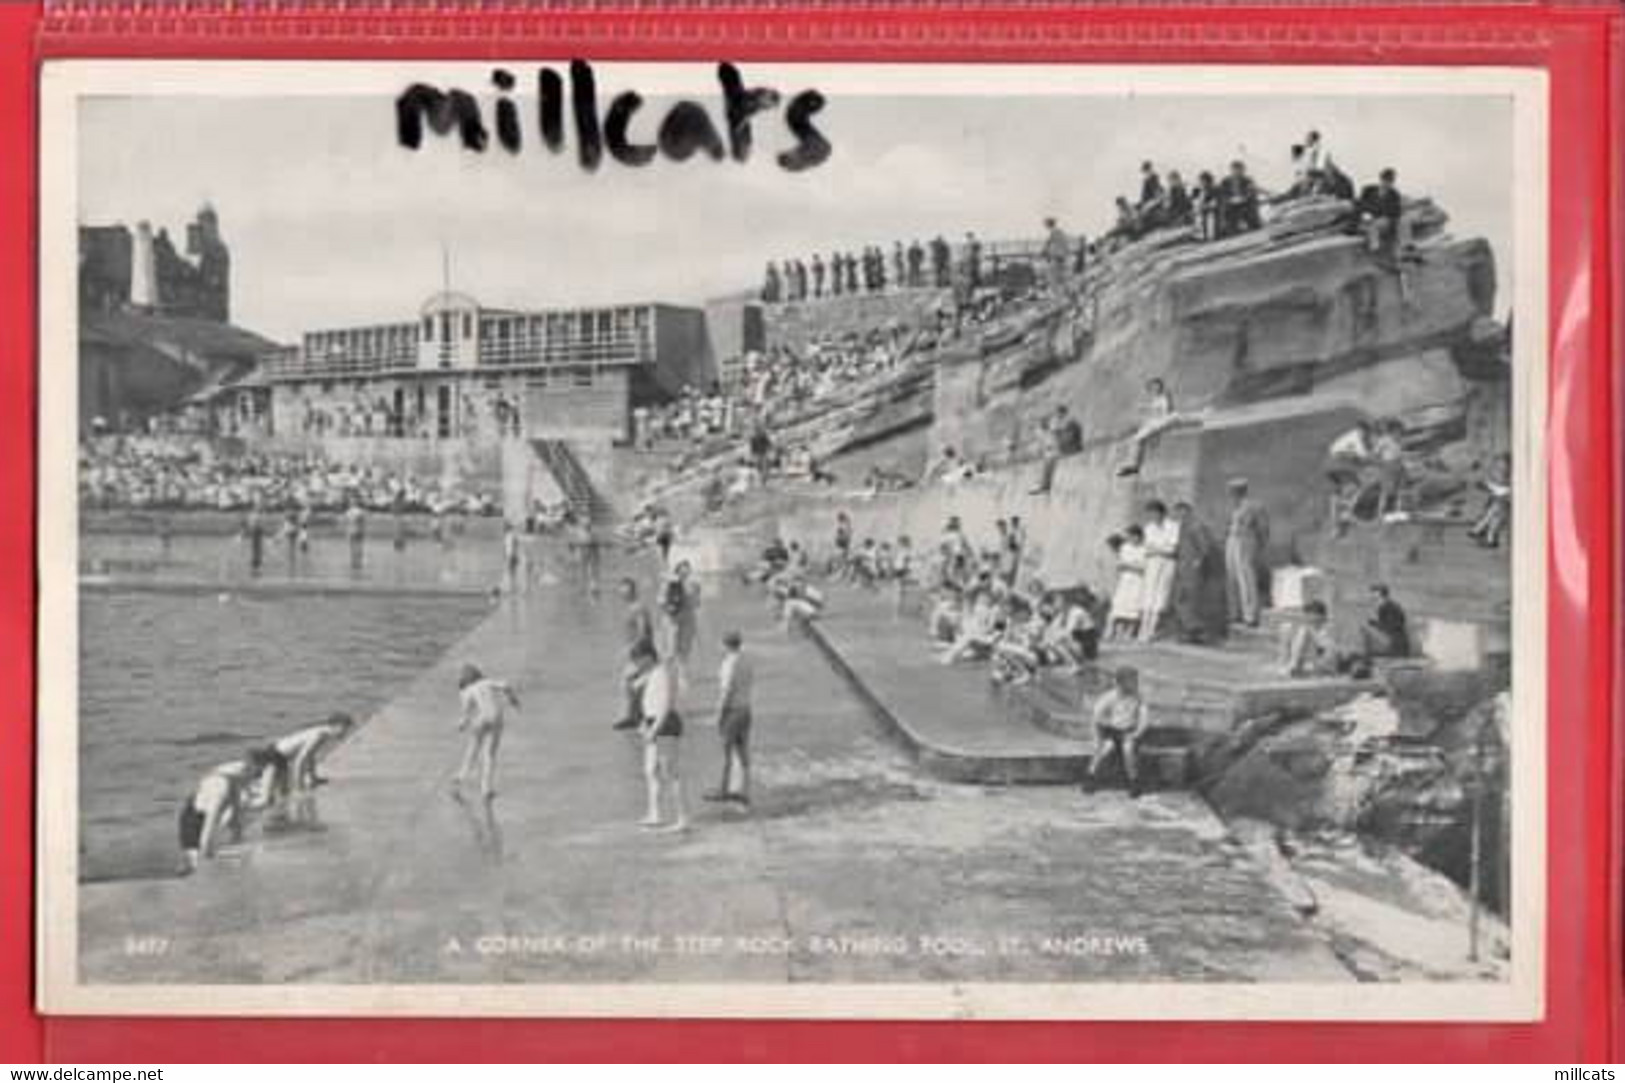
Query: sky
point(331, 223)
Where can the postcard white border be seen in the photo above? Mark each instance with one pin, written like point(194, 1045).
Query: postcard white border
point(1521, 998)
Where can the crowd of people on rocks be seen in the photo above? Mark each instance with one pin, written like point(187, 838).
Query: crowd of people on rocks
point(1229, 203)
point(175, 474)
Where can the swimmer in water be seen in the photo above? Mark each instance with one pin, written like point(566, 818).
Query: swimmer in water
point(484, 712)
point(303, 748)
point(218, 804)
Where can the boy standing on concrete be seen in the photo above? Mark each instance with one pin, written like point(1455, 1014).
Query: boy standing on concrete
point(736, 679)
point(661, 729)
point(484, 711)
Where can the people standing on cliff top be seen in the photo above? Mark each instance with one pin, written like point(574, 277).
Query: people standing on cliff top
point(971, 258)
point(1199, 599)
point(916, 265)
point(1157, 413)
point(736, 680)
point(484, 703)
point(1238, 202)
point(638, 633)
point(1245, 544)
point(851, 273)
point(941, 262)
point(1161, 553)
point(660, 725)
point(1177, 201)
point(1128, 595)
point(1120, 720)
point(772, 285)
point(817, 276)
point(1207, 206)
point(1386, 633)
point(1150, 206)
point(1057, 253)
point(899, 265)
point(1317, 164)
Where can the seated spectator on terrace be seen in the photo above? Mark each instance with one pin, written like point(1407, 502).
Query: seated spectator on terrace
point(799, 600)
point(979, 631)
point(946, 467)
point(1063, 436)
point(1157, 414)
point(1311, 649)
point(1019, 650)
point(1127, 228)
point(1386, 633)
point(947, 614)
point(1072, 638)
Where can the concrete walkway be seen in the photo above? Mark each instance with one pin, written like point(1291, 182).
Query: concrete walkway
point(847, 840)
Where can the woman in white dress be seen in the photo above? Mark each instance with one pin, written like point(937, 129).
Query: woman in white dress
point(1128, 596)
point(1161, 545)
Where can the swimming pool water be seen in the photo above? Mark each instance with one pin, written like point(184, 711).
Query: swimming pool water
point(172, 683)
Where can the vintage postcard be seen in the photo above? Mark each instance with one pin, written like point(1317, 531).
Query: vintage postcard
point(746, 539)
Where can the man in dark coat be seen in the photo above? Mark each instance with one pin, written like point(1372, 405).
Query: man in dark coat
point(1200, 600)
point(1238, 202)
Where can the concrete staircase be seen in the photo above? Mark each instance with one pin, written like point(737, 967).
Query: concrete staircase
point(584, 497)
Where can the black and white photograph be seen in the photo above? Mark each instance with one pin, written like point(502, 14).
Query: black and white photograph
point(815, 540)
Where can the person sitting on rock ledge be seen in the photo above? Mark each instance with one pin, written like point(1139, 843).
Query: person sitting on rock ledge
point(1120, 721)
point(1381, 213)
point(1313, 652)
point(1386, 634)
point(1238, 202)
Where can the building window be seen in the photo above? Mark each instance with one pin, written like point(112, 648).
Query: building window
point(443, 412)
point(428, 328)
point(468, 325)
point(581, 377)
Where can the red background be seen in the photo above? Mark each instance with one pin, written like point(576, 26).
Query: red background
point(1578, 45)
